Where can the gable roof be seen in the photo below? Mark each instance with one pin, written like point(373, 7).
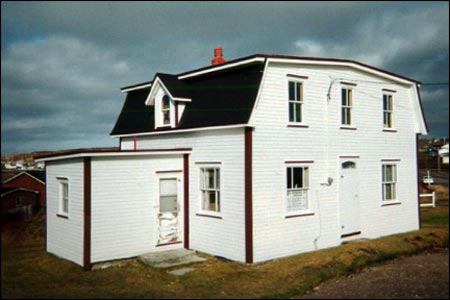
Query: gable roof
point(218, 99)
point(7, 191)
point(36, 175)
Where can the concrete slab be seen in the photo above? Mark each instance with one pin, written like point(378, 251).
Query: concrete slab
point(181, 272)
point(171, 258)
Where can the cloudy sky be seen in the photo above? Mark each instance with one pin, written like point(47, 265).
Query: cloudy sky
point(62, 64)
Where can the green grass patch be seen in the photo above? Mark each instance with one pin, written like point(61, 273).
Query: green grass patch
point(29, 272)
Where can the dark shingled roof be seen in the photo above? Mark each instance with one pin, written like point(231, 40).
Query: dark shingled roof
point(220, 98)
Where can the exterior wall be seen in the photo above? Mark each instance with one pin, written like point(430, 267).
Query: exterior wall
point(323, 142)
point(26, 182)
point(125, 205)
point(65, 235)
point(29, 203)
point(225, 146)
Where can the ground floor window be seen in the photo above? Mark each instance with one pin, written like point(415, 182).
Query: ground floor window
point(210, 188)
point(63, 196)
point(389, 179)
point(297, 189)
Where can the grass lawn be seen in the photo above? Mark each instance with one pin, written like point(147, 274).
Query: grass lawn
point(29, 272)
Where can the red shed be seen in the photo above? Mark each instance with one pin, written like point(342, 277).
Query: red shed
point(31, 180)
point(19, 202)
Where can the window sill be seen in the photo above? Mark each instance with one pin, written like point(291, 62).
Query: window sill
point(208, 215)
point(297, 215)
point(389, 130)
point(348, 128)
point(62, 216)
point(298, 125)
point(388, 203)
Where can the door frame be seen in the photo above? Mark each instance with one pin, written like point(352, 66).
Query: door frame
point(341, 159)
point(170, 174)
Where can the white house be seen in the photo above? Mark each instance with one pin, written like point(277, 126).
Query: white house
point(443, 153)
point(252, 159)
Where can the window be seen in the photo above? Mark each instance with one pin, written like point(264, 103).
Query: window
point(387, 111)
point(346, 112)
point(210, 188)
point(63, 196)
point(165, 110)
point(297, 189)
point(348, 165)
point(18, 201)
point(389, 178)
point(295, 101)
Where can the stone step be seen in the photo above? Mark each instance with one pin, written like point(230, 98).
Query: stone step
point(171, 258)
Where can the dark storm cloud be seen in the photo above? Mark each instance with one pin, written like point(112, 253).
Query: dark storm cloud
point(62, 63)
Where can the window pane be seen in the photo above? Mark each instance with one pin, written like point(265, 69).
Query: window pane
point(209, 173)
point(343, 116)
point(306, 177)
point(289, 178)
point(217, 178)
point(298, 177)
point(344, 96)
point(168, 203)
point(218, 201)
point(298, 112)
point(385, 102)
point(165, 102)
point(65, 205)
point(299, 92)
point(65, 190)
point(349, 116)
point(209, 200)
point(297, 200)
point(291, 112)
point(168, 187)
point(348, 165)
point(291, 90)
point(349, 97)
point(389, 176)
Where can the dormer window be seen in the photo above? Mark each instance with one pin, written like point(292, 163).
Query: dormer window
point(165, 110)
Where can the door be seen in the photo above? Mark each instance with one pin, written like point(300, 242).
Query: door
point(349, 198)
point(169, 212)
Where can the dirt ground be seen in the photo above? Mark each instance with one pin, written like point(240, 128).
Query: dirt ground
point(424, 276)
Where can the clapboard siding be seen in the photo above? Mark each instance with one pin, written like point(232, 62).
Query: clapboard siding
point(125, 205)
point(323, 142)
point(65, 236)
point(225, 146)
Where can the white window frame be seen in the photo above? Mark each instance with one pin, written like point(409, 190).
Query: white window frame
point(297, 100)
point(61, 182)
point(394, 183)
point(390, 112)
point(348, 106)
point(217, 188)
point(307, 188)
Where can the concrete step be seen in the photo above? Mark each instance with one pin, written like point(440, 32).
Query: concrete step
point(171, 258)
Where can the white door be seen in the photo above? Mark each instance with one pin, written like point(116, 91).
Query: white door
point(169, 212)
point(349, 199)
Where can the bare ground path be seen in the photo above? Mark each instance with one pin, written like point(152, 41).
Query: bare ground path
point(424, 276)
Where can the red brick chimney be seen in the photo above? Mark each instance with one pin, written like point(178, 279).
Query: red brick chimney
point(218, 59)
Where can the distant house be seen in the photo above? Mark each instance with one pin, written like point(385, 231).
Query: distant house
point(18, 202)
point(30, 180)
point(253, 159)
point(443, 153)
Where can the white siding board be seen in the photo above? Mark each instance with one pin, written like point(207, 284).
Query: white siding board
point(65, 236)
point(274, 235)
point(227, 146)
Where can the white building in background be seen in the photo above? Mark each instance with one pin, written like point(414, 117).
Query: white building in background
point(253, 159)
point(443, 152)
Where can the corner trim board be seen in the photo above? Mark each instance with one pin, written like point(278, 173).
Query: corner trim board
point(248, 196)
point(186, 199)
point(87, 265)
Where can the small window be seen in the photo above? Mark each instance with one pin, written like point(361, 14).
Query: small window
point(348, 165)
point(347, 105)
point(165, 110)
point(297, 189)
point(210, 188)
point(295, 102)
point(387, 110)
point(389, 185)
point(63, 196)
point(18, 201)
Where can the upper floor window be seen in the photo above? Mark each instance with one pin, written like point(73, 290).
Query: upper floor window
point(295, 101)
point(165, 110)
point(389, 182)
point(387, 110)
point(347, 105)
point(297, 189)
